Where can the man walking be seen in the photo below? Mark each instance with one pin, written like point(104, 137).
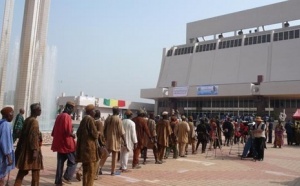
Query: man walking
point(64, 144)
point(182, 134)
point(163, 131)
point(131, 139)
point(18, 125)
point(28, 152)
point(113, 132)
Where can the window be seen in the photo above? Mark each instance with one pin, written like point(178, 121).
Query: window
point(236, 42)
point(275, 37)
point(214, 46)
point(227, 44)
point(211, 47)
point(264, 39)
point(291, 34)
point(176, 51)
point(170, 52)
point(197, 48)
point(280, 37)
point(200, 48)
point(246, 41)
point(207, 47)
point(220, 45)
point(259, 39)
point(296, 33)
point(286, 35)
point(240, 42)
point(269, 38)
point(250, 40)
point(204, 47)
point(231, 43)
point(186, 50)
point(224, 44)
point(254, 40)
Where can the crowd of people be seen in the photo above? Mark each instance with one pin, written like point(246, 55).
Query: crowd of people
point(95, 140)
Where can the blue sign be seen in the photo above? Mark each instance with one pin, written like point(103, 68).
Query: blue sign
point(207, 90)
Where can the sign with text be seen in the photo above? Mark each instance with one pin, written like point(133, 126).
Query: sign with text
point(180, 91)
point(207, 90)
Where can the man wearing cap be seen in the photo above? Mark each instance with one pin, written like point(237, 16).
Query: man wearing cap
point(6, 144)
point(163, 130)
point(18, 125)
point(131, 139)
point(142, 132)
point(113, 133)
point(28, 151)
point(86, 149)
point(182, 134)
point(259, 138)
point(192, 136)
point(64, 144)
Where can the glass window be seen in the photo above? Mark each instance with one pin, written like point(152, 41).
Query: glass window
point(176, 51)
point(250, 40)
point(293, 103)
point(232, 43)
point(236, 43)
point(275, 37)
point(200, 48)
point(220, 45)
point(296, 33)
point(197, 48)
point(182, 51)
point(246, 41)
point(280, 37)
point(215, 44)
point(254, 40)
point(224, 44)
point(286, 35)
point(240, 42)
point(192, 49)
point(227, 44)
point(269, 38)
point(207, 47)
point(264, 39)
point(204, 48)
point(259, 39)
point(211, 46)
point(186, 50)
point(298, 103)
point(291, 34)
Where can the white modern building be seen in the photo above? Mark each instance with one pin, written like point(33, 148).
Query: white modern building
point(103, 104)
point(240, 63)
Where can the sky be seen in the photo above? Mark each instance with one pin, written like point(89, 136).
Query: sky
point(113, 48)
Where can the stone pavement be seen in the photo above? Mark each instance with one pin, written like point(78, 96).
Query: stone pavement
point(280, 167)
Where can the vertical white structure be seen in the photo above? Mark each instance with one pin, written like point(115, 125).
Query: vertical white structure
point(4, 45)
point(32, 53)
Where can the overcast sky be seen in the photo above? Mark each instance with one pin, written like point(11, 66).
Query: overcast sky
point(113, 48)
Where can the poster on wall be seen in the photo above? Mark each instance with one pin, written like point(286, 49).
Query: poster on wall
point(207, 90)
point(180, 91)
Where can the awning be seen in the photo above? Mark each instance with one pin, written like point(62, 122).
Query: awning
point(297, 115)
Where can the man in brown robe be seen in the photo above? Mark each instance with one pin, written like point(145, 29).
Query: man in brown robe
point(192, 136)
point(28, 151)
point(113, 133)
point(142, 132)
point(182, 135)
point(86, 149)
point(163, 131)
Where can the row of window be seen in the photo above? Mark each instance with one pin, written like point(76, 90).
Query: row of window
point(293, 34)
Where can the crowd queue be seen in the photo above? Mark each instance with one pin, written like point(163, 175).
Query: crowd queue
point(95, 140)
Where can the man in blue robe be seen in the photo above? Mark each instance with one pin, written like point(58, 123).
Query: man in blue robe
point(7, 162)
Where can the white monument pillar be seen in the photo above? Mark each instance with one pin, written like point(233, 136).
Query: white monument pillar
point(4, 46)
point(32, 53)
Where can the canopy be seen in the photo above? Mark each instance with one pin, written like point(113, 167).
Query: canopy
point(297, 115)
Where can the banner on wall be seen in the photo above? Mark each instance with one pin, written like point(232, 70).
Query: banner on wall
point(208, 90)
point(180, 91)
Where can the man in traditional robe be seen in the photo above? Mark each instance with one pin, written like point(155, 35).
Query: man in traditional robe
point(64, 144)
point(86, 149)
point(163, 131)
point(103, 151)
point(113, 133)
point(142, 132)
point(131, 139)
point(192, 136)
point(6, 144)
point(182, 134)
point(28, 151)
point(18, 125)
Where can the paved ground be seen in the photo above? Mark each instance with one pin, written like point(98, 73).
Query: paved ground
point(280, 167)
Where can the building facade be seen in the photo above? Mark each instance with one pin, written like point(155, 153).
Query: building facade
point(241, 63)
